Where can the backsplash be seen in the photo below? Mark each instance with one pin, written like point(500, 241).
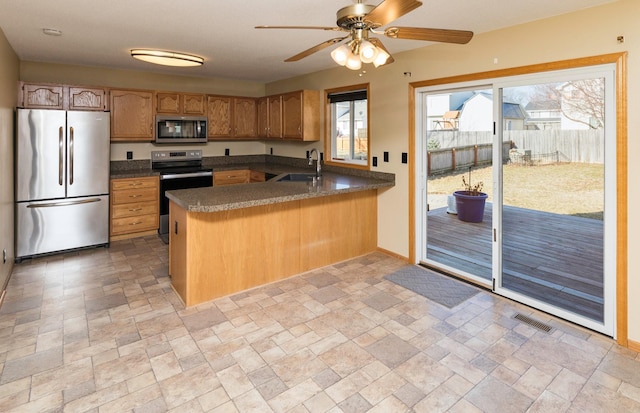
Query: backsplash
point(213, 161)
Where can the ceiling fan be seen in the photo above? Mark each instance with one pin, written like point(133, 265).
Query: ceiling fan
point(360, 20)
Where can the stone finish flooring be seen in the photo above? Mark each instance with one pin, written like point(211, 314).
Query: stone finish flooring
point(102, 331)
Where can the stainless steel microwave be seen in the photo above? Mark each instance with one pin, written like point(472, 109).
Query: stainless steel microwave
point(181, 129)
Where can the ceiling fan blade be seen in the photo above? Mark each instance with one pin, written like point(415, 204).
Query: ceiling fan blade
point(315, 48)
point(432, 35)
point(334, 29)
point(390, 10)
point(377, 43)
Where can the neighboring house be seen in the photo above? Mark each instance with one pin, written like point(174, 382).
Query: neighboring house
point(476, 114)
point(471, 111)
point(543, 115)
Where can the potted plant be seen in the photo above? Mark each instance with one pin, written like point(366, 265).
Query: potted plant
point(470, 201)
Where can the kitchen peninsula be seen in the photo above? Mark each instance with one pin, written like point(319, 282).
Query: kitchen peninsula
point(231, 238)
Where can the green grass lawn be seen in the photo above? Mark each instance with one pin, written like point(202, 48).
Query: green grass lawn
point(568, 188)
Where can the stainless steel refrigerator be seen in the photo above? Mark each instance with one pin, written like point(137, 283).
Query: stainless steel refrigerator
point(62, 180)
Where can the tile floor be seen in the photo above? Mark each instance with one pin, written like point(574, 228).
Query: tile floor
point(102, 331)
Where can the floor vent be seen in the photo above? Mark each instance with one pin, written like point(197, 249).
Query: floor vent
point(533, 323)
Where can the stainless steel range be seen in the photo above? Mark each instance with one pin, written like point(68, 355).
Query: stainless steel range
point(178, 170)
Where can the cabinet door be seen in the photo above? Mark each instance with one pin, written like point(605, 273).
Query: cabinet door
point(292, 115)
point(262, 111)
point(219, 116)
point(167, 102)
point(244, 116)
point(82, 98)
point(193, 104)
point(275, 117)
point(39, 96)
point(301, 115)
point(131, 115)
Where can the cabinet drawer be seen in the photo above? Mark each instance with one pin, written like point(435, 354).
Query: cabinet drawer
point(134, 209)
point(130, 183)
point(231, 177)
point(134, 195)
point(129, 225)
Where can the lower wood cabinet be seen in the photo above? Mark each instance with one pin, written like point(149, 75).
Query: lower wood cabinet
point(231, 177)
point(134, 207)
point(216, 254)
point(256, 176)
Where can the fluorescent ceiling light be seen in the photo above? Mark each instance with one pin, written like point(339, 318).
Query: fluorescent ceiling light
point(161, 57)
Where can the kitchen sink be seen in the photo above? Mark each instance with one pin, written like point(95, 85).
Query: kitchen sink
point(297, 177)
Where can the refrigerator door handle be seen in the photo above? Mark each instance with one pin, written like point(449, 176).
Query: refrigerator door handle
point(66, 203)
point(60, 154)
point(71, 155)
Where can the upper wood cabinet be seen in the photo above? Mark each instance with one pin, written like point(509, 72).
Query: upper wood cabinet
point(262, 117)
point(83, 98)
point(219, 116)
point(40, 96)
point(131, 115)
point(180, 103)
point(194, 104)
point(231, 117)
point(292, 116)
point(301, 115)
point(270, 117)
point(54, 96)
point(167, 102)
point(244, 118)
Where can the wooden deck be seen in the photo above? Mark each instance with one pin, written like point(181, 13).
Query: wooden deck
point(554, 258)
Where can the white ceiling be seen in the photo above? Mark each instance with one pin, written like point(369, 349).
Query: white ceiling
point(101, 33)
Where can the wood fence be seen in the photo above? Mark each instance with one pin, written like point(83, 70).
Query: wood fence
point(450, 159)
point(458, 149)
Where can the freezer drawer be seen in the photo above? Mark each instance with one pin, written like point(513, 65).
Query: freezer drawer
point(50, 226)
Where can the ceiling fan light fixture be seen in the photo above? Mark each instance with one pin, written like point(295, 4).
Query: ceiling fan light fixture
point(353, 62)
point(368, 52)
point(381, 58)
point(166, 58)
point(341, 54)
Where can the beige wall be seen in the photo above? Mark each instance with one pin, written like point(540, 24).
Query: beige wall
point(586, 33)
point(8, 78)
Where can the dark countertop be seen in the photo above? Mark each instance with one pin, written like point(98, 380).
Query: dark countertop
point(224, 198)
point(212, 199)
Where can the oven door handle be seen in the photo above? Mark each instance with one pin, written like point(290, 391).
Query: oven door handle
point(188, 175)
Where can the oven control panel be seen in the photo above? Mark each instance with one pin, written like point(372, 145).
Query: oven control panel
point(169, 156)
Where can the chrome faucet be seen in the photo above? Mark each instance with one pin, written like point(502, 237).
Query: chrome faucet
point(318, 168)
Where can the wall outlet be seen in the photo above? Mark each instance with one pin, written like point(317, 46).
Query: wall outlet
point(386, 156)
point(129, 155)
point(404, 157)
point(375, 161)
point(270, 151)
point(226, 152)
point(307, 155)
point(4, 255)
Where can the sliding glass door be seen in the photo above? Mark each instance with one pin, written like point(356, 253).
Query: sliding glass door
point(546, 237)
point(556, 195)
point(459, 141)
